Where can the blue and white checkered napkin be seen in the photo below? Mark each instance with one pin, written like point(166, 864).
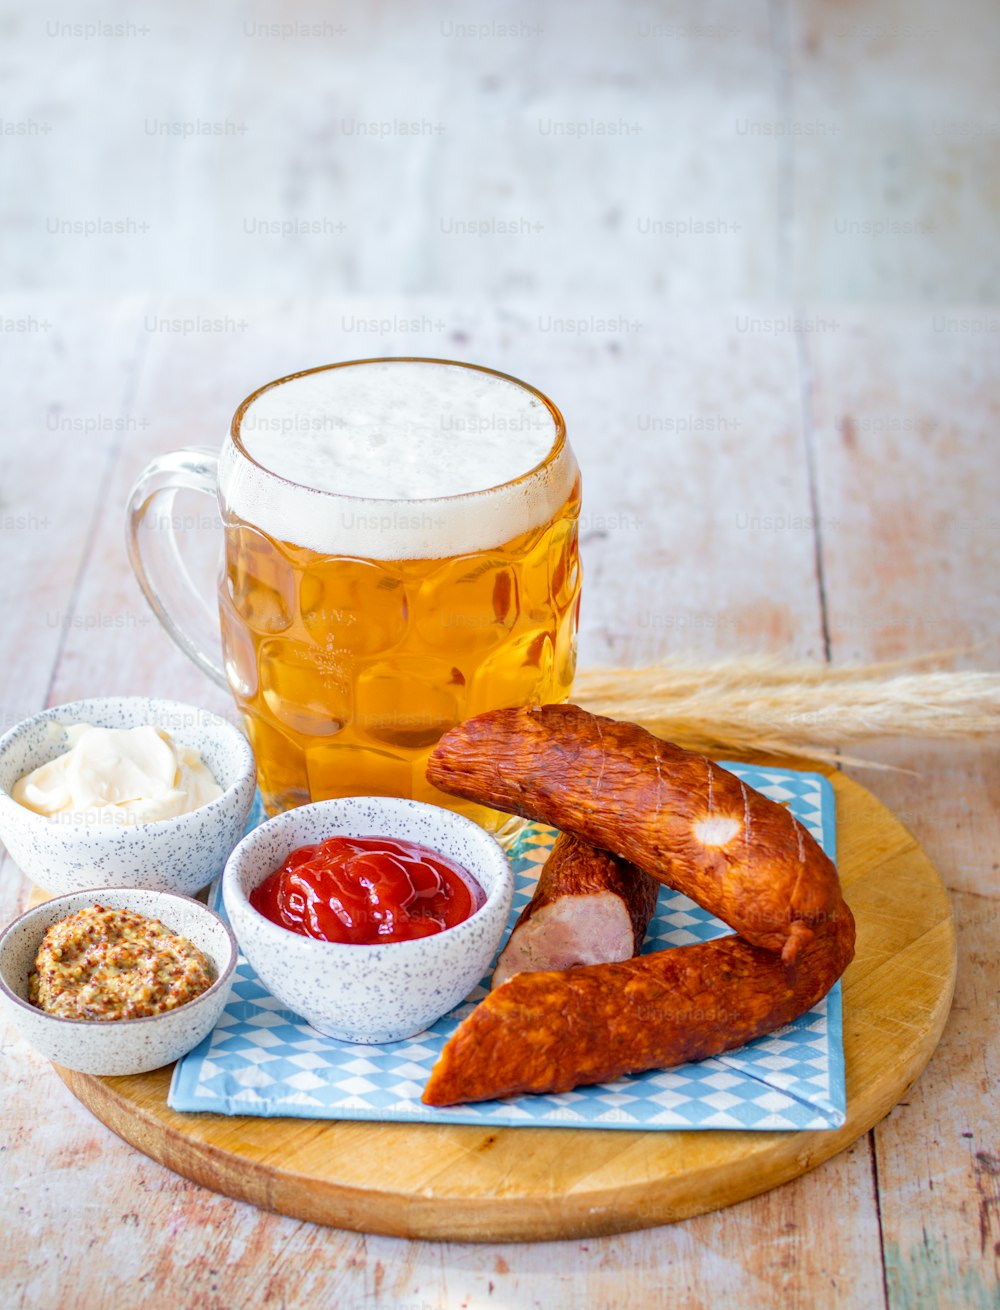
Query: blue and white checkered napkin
point(263, 1060)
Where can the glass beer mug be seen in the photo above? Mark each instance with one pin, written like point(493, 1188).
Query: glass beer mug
point(400, 554)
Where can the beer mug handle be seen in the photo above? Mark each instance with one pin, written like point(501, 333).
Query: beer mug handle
point(152, 549)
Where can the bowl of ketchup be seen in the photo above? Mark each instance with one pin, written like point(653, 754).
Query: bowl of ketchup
point(369, 916)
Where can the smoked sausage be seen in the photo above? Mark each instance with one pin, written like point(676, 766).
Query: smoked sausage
point(551, 1031)
point(686, 822)
point(682, 818)
point(589, 907)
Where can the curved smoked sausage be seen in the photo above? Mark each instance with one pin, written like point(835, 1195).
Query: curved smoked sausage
point(677, 815)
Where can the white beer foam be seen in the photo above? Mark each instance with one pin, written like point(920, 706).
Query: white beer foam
point(395, 459)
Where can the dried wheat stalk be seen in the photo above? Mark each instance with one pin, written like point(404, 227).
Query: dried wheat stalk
point(796, 709)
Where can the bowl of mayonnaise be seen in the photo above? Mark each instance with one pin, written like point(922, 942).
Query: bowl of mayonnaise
point(124, 791)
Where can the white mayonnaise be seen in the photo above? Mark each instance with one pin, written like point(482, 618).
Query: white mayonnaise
point(118, 776)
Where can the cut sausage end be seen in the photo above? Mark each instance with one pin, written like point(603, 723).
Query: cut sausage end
point(573, 930)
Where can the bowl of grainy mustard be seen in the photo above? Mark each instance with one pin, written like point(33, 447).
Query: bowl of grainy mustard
point(116, 980)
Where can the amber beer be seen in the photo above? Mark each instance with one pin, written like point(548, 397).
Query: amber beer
point(401, 553)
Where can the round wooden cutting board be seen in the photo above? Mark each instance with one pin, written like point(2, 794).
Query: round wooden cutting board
point(530, 1184)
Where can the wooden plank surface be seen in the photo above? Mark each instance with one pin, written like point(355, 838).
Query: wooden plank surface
point(906, 569)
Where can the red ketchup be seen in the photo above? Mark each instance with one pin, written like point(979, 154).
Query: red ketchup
point(367, 890)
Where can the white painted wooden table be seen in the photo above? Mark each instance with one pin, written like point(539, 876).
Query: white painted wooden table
point(787, 427)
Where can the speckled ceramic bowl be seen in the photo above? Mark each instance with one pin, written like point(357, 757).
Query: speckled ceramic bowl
point(119, 1046)
point(369, 994)
point(177, 855)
